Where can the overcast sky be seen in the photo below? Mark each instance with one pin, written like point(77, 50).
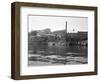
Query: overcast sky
point(57, 23)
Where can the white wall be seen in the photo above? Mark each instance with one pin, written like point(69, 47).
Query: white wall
point(5, 40)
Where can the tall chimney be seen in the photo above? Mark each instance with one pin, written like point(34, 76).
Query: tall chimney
point(66, 27)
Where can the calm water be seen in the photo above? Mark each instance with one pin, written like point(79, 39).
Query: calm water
point(44, 56)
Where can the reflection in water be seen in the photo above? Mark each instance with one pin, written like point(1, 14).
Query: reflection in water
point(58, 55)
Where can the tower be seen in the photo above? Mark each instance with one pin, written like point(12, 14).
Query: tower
point(66, 27)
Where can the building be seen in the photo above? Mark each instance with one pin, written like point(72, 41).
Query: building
point(41, 39)
point(43, 32)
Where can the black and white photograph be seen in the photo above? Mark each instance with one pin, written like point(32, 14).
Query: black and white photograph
point(53, 40)
point(57, 40)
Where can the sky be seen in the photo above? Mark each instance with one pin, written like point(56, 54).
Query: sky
point(74, 24)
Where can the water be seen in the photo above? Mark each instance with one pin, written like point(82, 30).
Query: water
point(58, 55)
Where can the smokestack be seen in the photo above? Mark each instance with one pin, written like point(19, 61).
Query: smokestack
point(66, 27)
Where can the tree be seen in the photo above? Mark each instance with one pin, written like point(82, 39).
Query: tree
point(34, 33)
